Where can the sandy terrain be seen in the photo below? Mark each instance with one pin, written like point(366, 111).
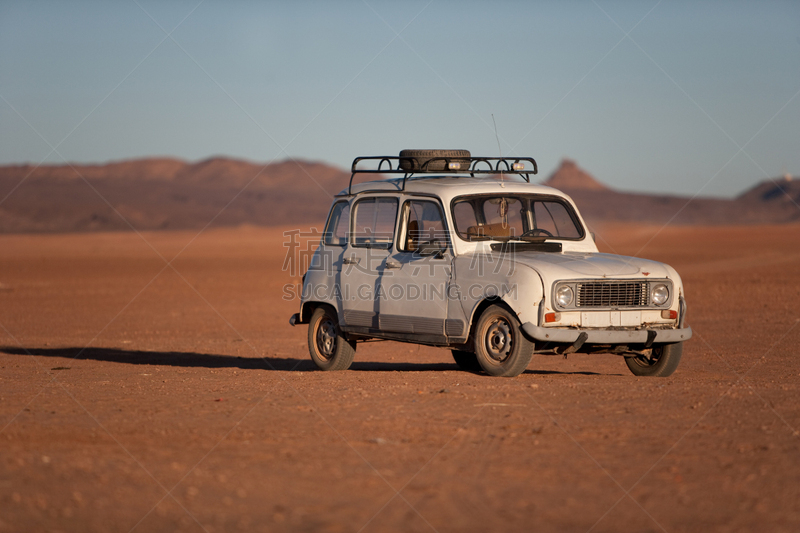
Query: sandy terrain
point(136, 396)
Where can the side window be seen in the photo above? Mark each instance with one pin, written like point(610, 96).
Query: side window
point(423, 226)
point(373, 222)
point(338, 224)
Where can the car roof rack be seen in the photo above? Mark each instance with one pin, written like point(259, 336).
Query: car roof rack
point(522, 166)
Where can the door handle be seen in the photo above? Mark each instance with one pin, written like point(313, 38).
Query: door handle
point(392, 264)
point(351, 260)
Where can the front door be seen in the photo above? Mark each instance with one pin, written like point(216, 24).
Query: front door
point(414, 284)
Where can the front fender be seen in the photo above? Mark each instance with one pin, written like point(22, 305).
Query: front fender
point(490, 276)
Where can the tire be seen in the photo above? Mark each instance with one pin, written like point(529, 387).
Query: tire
point(419, 158)
point(500, 347)
point(328, 347)
point(466, 361)
point(664, 361)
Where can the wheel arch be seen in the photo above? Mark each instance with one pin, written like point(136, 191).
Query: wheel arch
point(482, 306)
point(307, 309)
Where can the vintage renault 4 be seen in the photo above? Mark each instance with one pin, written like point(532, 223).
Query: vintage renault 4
point(466, 253)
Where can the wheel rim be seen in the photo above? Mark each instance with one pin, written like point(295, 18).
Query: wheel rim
point(498, 340)
point(326, 337)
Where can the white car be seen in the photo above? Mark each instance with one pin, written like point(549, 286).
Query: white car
point(464, 252)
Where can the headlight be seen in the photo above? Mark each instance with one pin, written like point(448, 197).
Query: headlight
point(660, 294)
point(564, 295)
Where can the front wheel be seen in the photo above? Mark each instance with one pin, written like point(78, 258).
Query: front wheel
point(662, 362)
point(500, 346)
point(329, 348)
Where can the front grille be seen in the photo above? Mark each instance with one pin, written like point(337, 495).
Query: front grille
point(612, 294)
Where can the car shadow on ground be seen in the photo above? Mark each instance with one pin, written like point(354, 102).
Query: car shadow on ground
point(557, 373)
point(179, 359)
point(375, 366)
point(204, 360)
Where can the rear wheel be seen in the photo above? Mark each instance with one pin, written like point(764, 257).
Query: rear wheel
point(500, 347)
point(328, 347)
point(662, 362)
point(466, 360)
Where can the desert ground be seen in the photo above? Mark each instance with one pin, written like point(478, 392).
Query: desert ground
point(152, 383)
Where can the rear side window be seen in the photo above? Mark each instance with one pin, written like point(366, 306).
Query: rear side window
point(373, 222)
point(338, 224)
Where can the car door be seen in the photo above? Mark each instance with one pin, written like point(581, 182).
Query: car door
point(371, 240)
point(323, 278)
point(417, 272)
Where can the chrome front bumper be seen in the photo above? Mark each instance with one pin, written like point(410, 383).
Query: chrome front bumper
point(607, 336)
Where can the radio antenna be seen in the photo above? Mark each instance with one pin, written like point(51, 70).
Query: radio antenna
point(499, 150)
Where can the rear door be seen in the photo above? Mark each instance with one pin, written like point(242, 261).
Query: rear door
point(373, 220)
point(324, 273)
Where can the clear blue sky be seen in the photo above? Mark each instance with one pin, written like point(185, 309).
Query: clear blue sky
point(666, 108)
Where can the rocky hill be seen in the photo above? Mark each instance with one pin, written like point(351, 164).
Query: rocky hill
point(569, 176)
point(781, 197)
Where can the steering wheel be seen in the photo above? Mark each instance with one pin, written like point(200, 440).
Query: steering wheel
point(536, 232)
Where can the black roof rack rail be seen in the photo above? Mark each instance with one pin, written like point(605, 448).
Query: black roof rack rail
point(452, 165)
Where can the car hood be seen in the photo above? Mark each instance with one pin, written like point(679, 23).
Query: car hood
point(579, 265)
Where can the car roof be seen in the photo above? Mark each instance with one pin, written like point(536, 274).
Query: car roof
point(449, 186)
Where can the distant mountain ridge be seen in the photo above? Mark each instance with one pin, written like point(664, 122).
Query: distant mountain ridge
point(166, 193)
point(769, 202)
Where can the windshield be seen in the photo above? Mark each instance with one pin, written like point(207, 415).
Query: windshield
point(515, 217)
